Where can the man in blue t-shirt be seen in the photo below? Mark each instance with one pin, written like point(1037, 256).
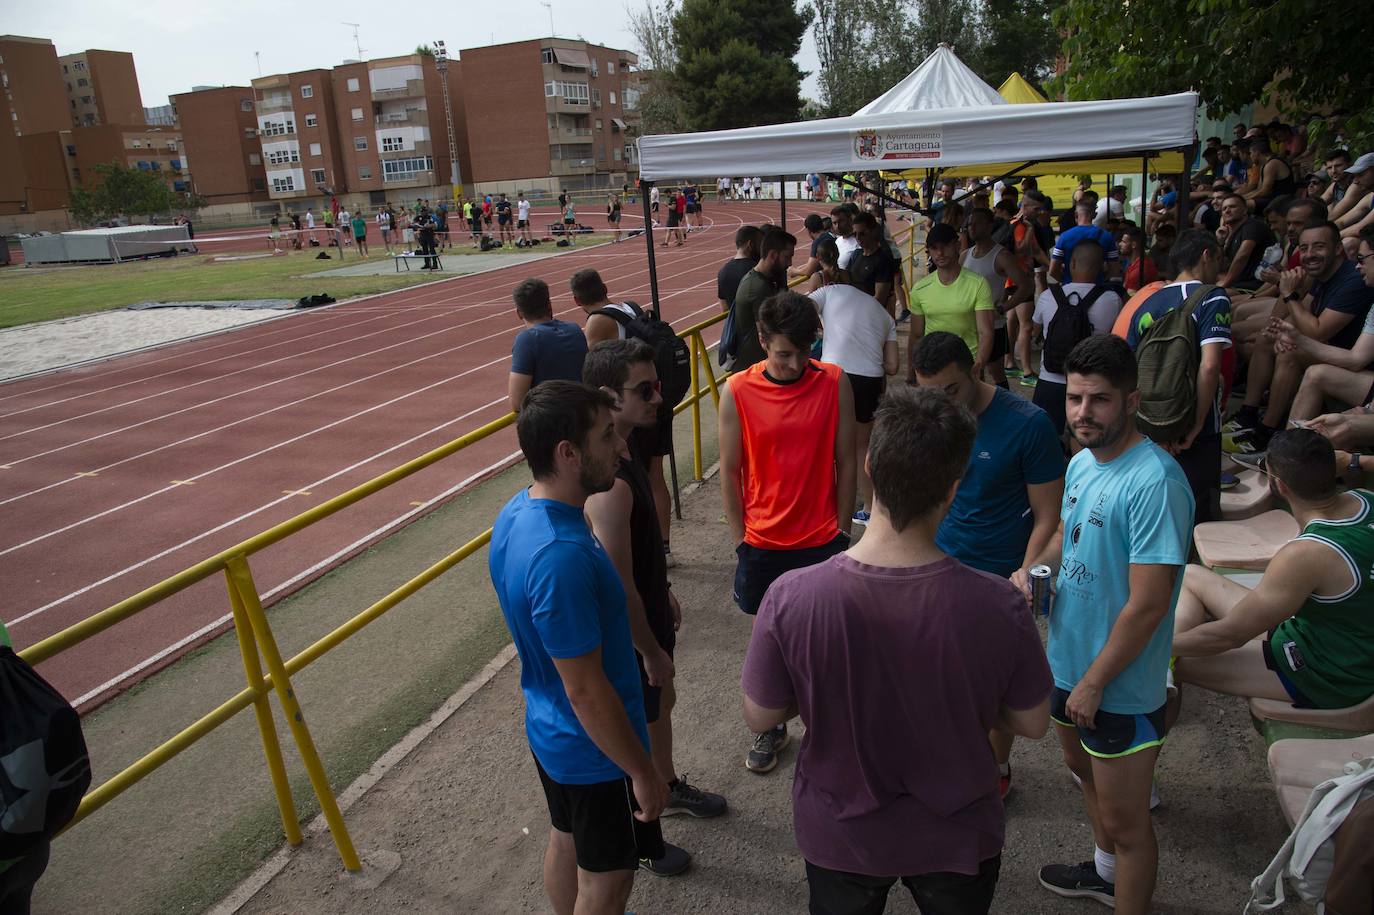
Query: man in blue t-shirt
point(547, 348)
point(565, 607)
point(1120, 549)
point(1197, 257)
point(1062, 253)
point(1006, 508)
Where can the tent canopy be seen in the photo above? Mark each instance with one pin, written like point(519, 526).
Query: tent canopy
point(941, 81)
point(1017, 91)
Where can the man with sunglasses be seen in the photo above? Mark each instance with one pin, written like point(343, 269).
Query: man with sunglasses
point(1305, 634)
point(625, 521)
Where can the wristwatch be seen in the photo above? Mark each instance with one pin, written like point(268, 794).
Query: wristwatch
point(1354, 465)
point(1292, 297)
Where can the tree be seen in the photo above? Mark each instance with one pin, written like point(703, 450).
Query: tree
point(735, 66)
point(864, 49)
point(1229, 51)
point(1018, 36)
point(121, 191)
point(424, 50)
point(660, 108)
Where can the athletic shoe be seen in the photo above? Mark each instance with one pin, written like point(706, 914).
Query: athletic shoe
point(904, 316)
point(673, 862)
point(1029, 379)
point(1253, 461)
point(1247, 441)
point(685, 798)
point(1229, 481)
point(1012, 372)
point(763, 757)
point(862, 517)
point(1004, 783)
point(1078, 881)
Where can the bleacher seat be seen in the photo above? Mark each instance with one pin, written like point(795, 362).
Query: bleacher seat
point(1298, 766)
point(1248, 544)
point(1358, 719)
point(1248, 499)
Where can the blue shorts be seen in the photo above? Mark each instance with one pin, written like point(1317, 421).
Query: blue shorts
point(1115, 735)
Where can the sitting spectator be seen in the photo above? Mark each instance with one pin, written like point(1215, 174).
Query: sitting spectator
point(1246, 239)
point(1337, 161)
point(1161, 250)
point(1305, 634)
point(1199, 452)
point(1356, 211)
point(747, 241)
point(547, 348)
point(872, 268)
point(1112, 208)
point(1085, 231)
point(1252, 315)
point(1138, 269)
point(1316, 184)
point(895, 780)
point(817, 232)
point(1326, 300)
point(768, 276)
point(1085, 290)
point(1232, 168)
point(1162, 207)
point(952, 299)
point(1270, 176)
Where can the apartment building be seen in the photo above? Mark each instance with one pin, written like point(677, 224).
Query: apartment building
point(159, 150)
point(551, 113)
point(33, 103)
point(102, 88)
point(298, 134)
point(219, 130)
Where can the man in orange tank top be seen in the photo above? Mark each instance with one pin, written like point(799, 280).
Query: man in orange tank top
point(788, 471)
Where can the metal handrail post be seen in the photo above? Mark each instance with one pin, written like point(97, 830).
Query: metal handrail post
point(696, 408)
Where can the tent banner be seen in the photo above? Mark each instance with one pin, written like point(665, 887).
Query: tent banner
point(882, 145)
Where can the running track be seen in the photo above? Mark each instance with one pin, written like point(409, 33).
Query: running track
point(116, 475)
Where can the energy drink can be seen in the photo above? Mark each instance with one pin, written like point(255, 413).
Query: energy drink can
point(1040, 580)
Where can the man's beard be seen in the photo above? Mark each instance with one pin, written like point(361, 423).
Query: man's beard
point(592, 484)
point(1099, 436)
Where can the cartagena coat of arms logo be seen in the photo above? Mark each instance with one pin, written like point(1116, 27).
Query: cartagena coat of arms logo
point(866, 144)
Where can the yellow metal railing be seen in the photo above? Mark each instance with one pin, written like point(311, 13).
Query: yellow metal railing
point(258, 645)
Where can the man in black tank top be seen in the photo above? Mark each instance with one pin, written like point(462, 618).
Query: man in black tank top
point(625, 521)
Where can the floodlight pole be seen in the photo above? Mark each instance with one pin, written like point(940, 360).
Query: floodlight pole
point(441, 64)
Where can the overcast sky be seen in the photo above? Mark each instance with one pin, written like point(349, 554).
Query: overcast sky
point(177, 45)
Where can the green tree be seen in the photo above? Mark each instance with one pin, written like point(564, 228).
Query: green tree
point(1231, 52)
point(1018, 36)
point(117, 190)
point(735, 64)
point(660, 108)
point(864, 48)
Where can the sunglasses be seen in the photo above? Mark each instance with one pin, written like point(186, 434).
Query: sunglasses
point(646, 389)
point(1361, 258)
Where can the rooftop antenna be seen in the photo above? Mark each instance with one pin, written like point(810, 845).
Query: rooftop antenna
point(257, 56)
point(357, 44)
point(548, 5)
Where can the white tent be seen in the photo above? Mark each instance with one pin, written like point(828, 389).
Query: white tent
point(941, 81)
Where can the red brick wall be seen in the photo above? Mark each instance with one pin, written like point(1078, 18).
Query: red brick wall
point(115, 85)
point(212, 129)
point(503, 97)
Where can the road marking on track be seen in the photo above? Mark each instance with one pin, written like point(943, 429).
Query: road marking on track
point(295, 492)
point(183, 482)
point(88, 473)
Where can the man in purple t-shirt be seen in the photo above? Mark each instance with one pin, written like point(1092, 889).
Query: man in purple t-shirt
point(895, 778)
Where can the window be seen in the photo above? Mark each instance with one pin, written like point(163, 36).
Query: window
point(311, 120)
point(172, 145)
point(356, 114)
point(71, 150)
point(138, 144)
point(550, 90)
point(176, 165)
point(259, 184)
point(249, 133)
point(393, 144)
point(615, 154)
point(598, 123)
point(277, 128)
point(246, 105)
point(572, 93)
point(570, 151)
point(610, 68)
point(631, 99)
point(364, 172)
point(307, 91)
point(353, 84)
point(360, 143)
point(85, 99)
point(595, 71)
point(284, 184)
point(282, 156)
point(254, 159)
point(406, 169)
point(596, 97)
point(612, 98)
point(64, 69)
point(73, 103)
point(600, 154)
point(83, 82)
point(156, 165)
point(317, 175)
point(314, 149)
point(69, 87)
point(80, 65)
point(545, 56)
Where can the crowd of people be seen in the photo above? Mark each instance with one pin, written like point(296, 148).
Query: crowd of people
point(967, 492)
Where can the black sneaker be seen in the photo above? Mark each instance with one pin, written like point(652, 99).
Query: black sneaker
point(673, 862)
point(763, 757)
point(685, 798)
point(1078, 881)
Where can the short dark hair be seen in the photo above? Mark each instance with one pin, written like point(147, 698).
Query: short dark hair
point(1191, 245)
point(828, 253)
point(556, 411)
point(1337, 154)
point(937, 351)
point(776, 239)
point(587, 287)
point(866, 220)
point(839, 208)
point(1106, 355)
point(1088, 249)
point(920, 446)
point(1316, 207)
point(1038, 197)
point(532, 299)
point(1004, 206)
point(608, 363)
point(1280, 204)
point(747, 235)
point(1367, 235)
point(980, 213)
point(791, 314)
point(813, 223)
point(1134, 231)
point(942, 234)
point(949, 182)
point(1305, 461)
point(1325, 225)
point(1084, 206)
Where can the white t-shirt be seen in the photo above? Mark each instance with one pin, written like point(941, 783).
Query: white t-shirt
point(309, 220)
point(522, 208)
point(1102, 315)
point(1117, 211)
point(384, 221)
point(847, 244)
point(856, 327)
point(653, 194)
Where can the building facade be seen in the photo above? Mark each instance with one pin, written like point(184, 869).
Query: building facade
point(219, 130)
point(551, 113)
point(33, 103)
point(158, 150)
point(102, 88)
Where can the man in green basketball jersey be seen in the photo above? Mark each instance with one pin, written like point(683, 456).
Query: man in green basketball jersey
point(1305, 634)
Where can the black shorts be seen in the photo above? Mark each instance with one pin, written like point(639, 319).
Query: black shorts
point(672, 219)
point(1115, 735)
point(504, 220)
point(1001, 346)
point(654, 207)
point(653, 695)
point(757, 568)
point(600, 818)
point(867, 392)
point(613, 218)
point(1049, 396)
point(522, 224)
point(841, 893)
point(1201, 464)
point(567, 221)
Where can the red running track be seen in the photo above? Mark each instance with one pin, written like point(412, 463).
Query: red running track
point(117, 475)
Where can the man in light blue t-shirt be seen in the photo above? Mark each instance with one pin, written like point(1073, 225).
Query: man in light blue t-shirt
point(565, 607)
point(1120, 549)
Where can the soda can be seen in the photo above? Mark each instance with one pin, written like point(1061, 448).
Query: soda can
point(1041, 577)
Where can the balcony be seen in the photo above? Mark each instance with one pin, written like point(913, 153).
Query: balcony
point(414, 88)
point(561, 168)
point(411, 117)
point(559, 104)
point(567, 134)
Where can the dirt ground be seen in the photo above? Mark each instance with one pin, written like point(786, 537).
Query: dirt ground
point(465, 814)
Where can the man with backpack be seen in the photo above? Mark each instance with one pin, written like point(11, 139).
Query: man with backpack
point(1179, 335)
point(1066, 313)
point(607, 320)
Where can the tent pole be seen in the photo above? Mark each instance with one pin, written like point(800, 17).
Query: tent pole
point(1185, 189)
point(782, 197)
point(1144, 185)
point(645, 187)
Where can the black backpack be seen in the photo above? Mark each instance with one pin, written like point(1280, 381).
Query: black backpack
point(44, 767)
point(1070, 324)
point(672, 357)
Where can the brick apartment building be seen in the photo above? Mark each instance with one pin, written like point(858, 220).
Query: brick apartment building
point(551, 113)
point(102, 88)
point(219, 128)
point(159, 150)
point(34, 103)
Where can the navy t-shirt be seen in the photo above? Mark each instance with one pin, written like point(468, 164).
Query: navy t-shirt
point(990, 521)
point(1063, 251)
point(552, 350)
point(727, 280)
point(1344, 292)
point(1213, 319)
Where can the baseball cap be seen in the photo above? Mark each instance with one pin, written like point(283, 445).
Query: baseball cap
point(1362, 164)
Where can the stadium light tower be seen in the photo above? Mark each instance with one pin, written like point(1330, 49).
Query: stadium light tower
point(441, 64)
